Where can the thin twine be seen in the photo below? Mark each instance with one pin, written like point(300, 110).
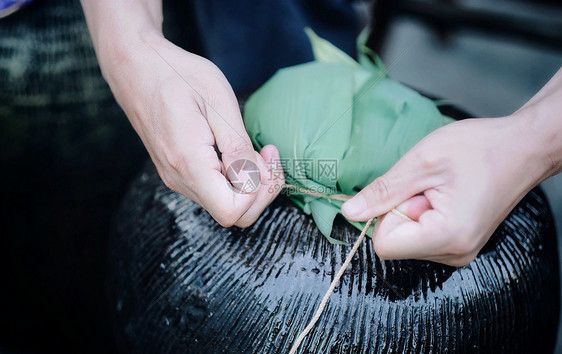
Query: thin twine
point(341, 197)
point(401, 214)
point(344, 266)
point(320, 309)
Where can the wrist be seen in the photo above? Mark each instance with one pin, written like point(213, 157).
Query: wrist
point(540, 139)
point(542, 118)
point(125, 53)
point(119, 29)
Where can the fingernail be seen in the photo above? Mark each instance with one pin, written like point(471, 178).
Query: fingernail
point(403, 208)
point(355, 206)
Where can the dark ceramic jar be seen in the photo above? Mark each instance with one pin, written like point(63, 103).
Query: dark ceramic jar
point(179, 282)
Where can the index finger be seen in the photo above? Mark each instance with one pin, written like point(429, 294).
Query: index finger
point(225, 203)
point(225, 120)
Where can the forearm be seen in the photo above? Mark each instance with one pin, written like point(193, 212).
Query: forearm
point(541, 121)
point(119, 28)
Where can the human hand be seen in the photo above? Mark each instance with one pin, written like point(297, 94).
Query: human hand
point(457, 185)
point(181, 106)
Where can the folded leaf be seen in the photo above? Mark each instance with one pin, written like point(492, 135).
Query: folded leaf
point(338, 124)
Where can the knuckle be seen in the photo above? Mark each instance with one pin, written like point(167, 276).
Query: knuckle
point(216, 73)
point(426, 161)
point(227, 217)
point(168, 154)
point(461, 261)
point(174, 172)
point(168, 181)
point(215, 78)
point(224, 222)
point(165, 177)
point(244, 223)
point(213, 81)
point(433, 162)
point(379, 190)
point(236, 146)
point(179, 166)
point(175, 161)
point(462, 246)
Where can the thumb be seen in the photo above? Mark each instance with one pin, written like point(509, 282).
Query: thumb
point(237, 153)
point(403, 181)
point(241, 165)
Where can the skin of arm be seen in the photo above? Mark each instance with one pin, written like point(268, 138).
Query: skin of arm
point(182, 107)
point(461, 181)
point(458, 183)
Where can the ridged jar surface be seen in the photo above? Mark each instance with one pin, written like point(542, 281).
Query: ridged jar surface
point(179, 282)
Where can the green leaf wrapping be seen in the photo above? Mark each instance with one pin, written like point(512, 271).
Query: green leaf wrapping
point(338, 112)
